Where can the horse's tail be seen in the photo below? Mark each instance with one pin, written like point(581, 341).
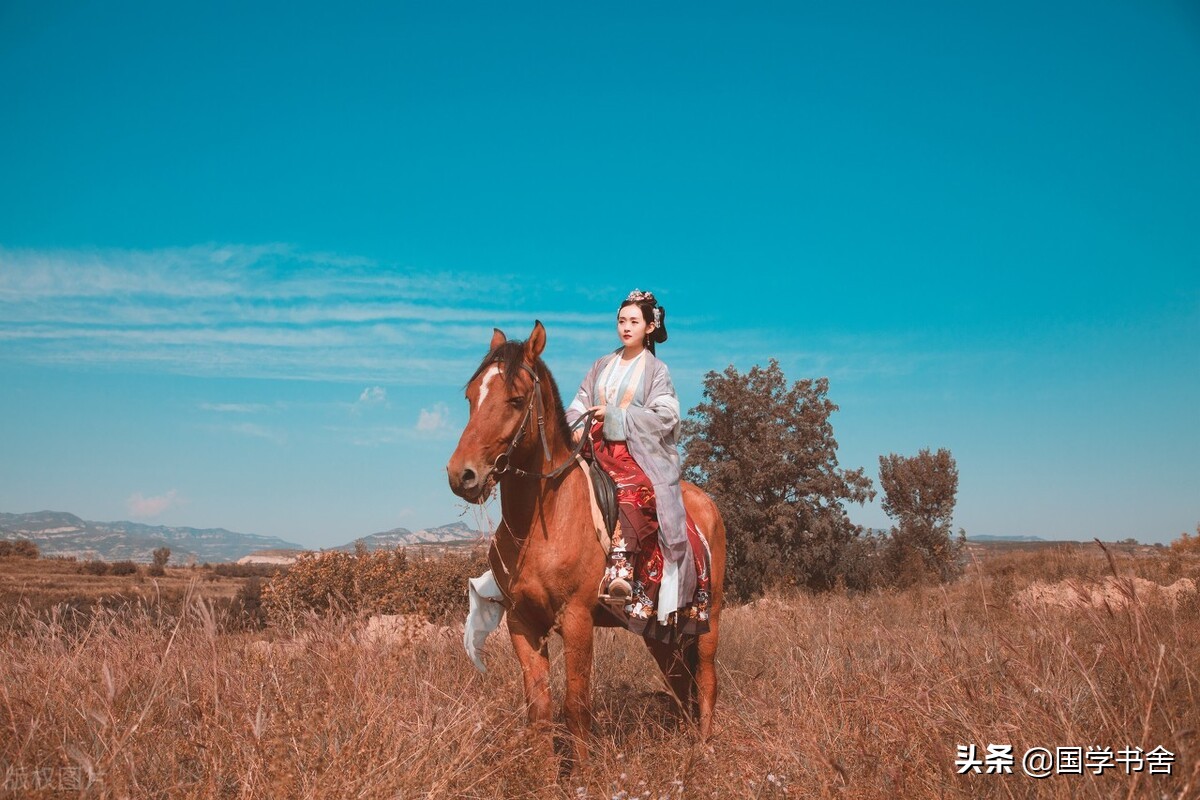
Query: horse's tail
point(712, 527)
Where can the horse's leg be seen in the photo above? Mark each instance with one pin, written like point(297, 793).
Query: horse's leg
point(689, 654)
point(706, 676)
point(529, 643)
point(709, 521)
point(577, 629)
point(676, 670)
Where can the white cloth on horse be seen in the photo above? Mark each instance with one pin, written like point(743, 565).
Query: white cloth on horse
point(483, 617)
point(648, 423)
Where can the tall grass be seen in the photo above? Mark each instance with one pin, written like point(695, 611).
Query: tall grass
point(836, 695)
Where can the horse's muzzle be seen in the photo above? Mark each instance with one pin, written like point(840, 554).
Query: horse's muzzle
point(470, 482)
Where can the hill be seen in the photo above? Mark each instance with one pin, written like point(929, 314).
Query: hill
point(57, 533)
point(440, 539)
point(987, 537)
point(443, 535)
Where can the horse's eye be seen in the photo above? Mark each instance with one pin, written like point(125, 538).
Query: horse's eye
point(516, 402)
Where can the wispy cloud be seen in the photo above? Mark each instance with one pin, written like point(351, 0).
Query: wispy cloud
point(432, 423)
point(374, 436)
point(256, 431)
point(434, 420)
point(371, 396)
point(235, 408)
point(257, 311)
point(141, 507)
point(272, 311)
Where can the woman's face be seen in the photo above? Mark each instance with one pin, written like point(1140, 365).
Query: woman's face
point(632, 326)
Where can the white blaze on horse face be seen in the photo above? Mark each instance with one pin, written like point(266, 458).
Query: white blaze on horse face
point(484, 382)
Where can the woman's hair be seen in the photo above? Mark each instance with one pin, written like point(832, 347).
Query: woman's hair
point(651, 312)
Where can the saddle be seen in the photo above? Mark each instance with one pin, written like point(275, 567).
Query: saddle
point(604, 490)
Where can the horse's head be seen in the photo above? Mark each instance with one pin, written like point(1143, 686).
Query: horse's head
point(503, 408)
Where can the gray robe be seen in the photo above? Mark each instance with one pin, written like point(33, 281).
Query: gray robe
point(650, 428)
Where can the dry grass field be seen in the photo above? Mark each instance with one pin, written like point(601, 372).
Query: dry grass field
point(836, 695)
point(42, 584)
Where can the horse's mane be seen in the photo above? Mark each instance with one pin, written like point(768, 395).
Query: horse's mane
point(509, 356)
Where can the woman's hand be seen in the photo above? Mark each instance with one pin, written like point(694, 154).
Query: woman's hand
point(597, 415)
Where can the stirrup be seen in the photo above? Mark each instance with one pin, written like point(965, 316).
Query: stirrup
point(619, 592)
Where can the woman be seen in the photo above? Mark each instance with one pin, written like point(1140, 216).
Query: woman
point(634, 434)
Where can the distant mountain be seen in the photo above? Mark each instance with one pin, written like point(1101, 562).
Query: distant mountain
point(987, 537)
point(57, 533)
point(456, 533)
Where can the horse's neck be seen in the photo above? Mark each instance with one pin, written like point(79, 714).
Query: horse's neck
point(537, 522)
point(538, 509)
point(527, 503)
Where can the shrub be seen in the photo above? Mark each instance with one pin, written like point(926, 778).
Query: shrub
point(247, 609)
point(1187, 544)
point(379, 582)
point(93, 567)
point(156, 571)
point(22, 548)
point(437, 587)
point(123, 568)
point(247, 570)
point(320, 581)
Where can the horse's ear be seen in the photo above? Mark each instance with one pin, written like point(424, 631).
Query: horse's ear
point(536, 342)
point(498, 338)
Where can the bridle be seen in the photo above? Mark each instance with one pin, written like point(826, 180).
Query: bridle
point(503, 463)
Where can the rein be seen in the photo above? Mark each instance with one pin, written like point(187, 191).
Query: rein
point(503, 463)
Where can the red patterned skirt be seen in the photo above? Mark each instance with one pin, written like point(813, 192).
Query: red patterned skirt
point(636, 555)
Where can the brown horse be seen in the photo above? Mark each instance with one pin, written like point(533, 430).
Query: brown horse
point(545, 555)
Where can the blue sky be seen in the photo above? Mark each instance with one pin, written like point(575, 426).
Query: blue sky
point(248, 255)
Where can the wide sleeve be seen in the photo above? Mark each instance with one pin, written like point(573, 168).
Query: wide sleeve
point(657, 419)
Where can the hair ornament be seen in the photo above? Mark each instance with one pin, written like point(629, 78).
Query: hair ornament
point(654, 314)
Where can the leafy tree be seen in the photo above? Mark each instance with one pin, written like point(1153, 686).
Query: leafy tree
point(765, 452)
point(919, 493)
